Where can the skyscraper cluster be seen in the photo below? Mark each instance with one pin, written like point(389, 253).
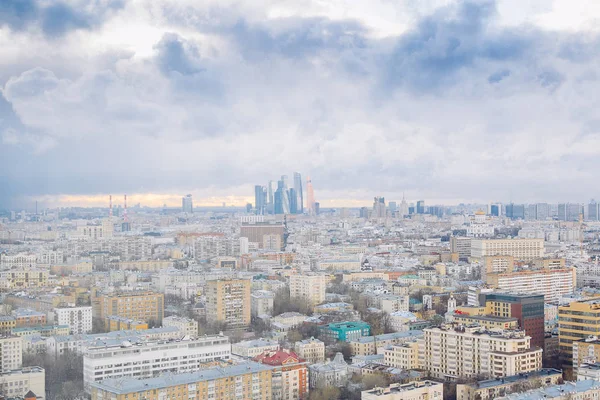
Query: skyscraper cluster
point(282, 199)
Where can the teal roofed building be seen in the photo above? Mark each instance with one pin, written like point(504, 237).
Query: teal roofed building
point(346, 331)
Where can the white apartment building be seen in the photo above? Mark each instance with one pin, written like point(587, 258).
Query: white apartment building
point(149, 359)
point(79, 319)
point(552, 283)
point(51, 257)
point(309, 287)
point(11, 353)
point(520, 249)
point(57, 345)
point(20, 261)
point(262, 302)
point(16, 383)
point(253, 348)
point(312, 350)
point(389, 303)
point(453, 352)
point(424, 390)
point(187, 326)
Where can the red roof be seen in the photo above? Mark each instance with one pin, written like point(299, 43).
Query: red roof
point(278, 357)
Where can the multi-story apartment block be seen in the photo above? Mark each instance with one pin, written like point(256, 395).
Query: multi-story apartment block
point(228, 301)
point(423, 390)
point(552, 283)
point(520, 249)
point(11, 353)
point(139, 306)
point(149, 359)
point(256, 231)
point(454, 352)
point(582, 390)
point(115, 323)
point(497, 264)
point(145, 265)
point(577, 321)
point(244, 381)
point(16, 383)
point(289, 374)
point(461, 246)
point(308, 287)
point(312, 350)
point(7, 324)
point(27, 317)
point(253, 348)
point(186, 326)
point(43, 330)
point(262, 302)
point(18, 261)
point(389, 303)
point(404, 355)
point(79, 319)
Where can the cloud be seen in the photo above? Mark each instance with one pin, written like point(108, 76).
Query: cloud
point(55, 19)
point(458, 105)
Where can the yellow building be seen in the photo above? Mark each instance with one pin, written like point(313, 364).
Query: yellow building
point(404, 355)
point(247, 381)
point(7, 324)
point(549, 263)
point(577, 321)
point(228, 301)
point(487, 321)
point(139, 306)
point(23, 278)
point(114, 323)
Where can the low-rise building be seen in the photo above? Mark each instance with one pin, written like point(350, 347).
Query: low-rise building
point(262, 302)
point(312, 350)
point(492, 388)
point(253, 348)
point(345, 331)
point(186, 326)
point(16, 383)
point(11, 353)
point(289, 374)
point(116, 323)
point(7, 324)
point(424, 390)
point(403, 355)
point(331, 373)
point(581, 390)
point(28, 317)
point(44, 330)
point(375, 344)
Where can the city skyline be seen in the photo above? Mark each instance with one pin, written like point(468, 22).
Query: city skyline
point(445, 100)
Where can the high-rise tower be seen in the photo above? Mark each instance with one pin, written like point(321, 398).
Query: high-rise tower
point(310, 196)
point(299, 195)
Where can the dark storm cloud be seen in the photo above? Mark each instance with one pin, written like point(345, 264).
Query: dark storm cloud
point(55, 18)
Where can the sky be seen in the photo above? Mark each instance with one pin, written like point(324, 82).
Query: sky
point(442, 100)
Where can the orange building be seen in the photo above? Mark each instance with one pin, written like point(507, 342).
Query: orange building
point(290, 374)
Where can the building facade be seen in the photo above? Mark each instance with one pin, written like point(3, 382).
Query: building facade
point(228, 301)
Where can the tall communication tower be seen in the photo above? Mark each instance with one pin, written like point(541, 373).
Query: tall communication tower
point(125, 218)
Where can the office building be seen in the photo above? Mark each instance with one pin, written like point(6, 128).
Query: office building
point(455, 352)
point(379, 209)
point(421, 207)
point(461, 246)
point(592, 213)
point(187, 326)
point(228, 301)
point(138, 306)
point(520, 249)
point(147, 359)
point(16, 383)
point(289, 379)
point(187, 205)
point(11, 353)
point(246, 381)
point(421, 390)
point(527, 308)
point(345, 331)
point(552, 283)
point(299, 193)
point(260, 200)
point(79, 319)
point(309, 287)
point(577, 321)
point(515, 211)
point(312, 350)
